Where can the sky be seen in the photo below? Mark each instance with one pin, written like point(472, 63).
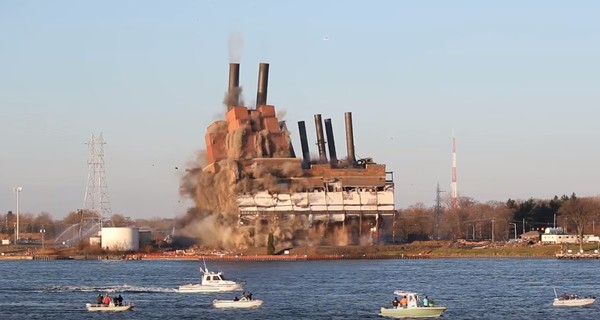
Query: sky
point(516, 82)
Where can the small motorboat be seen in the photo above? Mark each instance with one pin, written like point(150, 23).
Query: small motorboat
point(571, 300)
point(211, 282)
point(241, 303)
point(110, 307)
point(414, 308)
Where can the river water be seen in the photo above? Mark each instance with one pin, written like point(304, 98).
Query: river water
point(347, 289)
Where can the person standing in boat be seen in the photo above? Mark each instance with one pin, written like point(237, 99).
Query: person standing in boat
point(403, 302)
point(425, 302)
point(106, 300)
point(119, 300)
point(99, 299)
point(395, 302)
point(412, 303)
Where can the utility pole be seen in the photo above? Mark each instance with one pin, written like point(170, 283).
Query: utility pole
point(17, 191)
point(492, 230)
point(438, 212)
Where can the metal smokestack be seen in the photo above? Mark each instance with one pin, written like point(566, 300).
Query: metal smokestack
point(330, 142)
point(233, 92)
point(263, 81)
point(350, 140)
point(304, 144)
point(320, 139)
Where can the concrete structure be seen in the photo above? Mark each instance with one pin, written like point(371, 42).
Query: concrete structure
point(145, 238)
point(120, 238)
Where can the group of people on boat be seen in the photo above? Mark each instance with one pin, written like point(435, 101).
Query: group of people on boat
point(245, 297)
point(411, 302)
point(566, 296)
point(108, 301)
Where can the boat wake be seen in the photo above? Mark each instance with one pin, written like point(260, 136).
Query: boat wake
point(115, 288)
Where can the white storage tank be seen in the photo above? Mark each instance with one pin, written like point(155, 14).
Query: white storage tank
point(120, 238)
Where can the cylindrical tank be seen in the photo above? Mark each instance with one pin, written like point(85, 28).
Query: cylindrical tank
point(120, 238)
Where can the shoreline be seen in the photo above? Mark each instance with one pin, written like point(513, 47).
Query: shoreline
point(414, 251)
point(242, 258)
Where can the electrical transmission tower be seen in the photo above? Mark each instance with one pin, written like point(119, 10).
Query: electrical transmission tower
point(96, 201)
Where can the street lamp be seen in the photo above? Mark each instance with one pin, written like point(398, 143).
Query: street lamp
point(17, 191)
point(43, 232)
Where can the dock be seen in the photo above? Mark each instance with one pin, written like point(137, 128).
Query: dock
point(578, 256)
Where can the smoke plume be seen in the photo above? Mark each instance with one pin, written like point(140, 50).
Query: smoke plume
point(236, 46)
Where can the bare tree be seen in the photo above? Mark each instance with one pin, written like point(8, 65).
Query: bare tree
point(415, 220)
point(580, 211)
point(118, 220)
point(71, 218)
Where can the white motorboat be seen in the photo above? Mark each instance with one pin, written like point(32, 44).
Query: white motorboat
point(241, 303)
point(110, 307)
point(571, 300)
point(413, 307)
point(211, 282)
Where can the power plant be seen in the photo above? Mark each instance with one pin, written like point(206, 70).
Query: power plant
point(252, 184)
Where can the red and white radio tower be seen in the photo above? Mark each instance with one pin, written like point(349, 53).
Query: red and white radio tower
point(453, 185)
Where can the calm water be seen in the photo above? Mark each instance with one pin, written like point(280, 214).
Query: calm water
point(471, 289)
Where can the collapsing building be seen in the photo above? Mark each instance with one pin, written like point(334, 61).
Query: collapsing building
point(253, 184)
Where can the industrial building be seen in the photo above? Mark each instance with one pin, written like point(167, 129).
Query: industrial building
point(250, 155)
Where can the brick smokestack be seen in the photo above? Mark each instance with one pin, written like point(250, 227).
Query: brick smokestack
point(330, 142)
point(350, 140)
point(304, 144)
point(263, 81)
point(233, 91)
point(320, 139)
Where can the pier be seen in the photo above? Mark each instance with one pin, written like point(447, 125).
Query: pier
point(578, 256)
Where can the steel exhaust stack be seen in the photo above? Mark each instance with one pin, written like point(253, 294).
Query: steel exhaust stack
point(350, 140)
point(233, 91)
point(304, 144)
point(330, 142)
point(320, 139)
point(263, 81)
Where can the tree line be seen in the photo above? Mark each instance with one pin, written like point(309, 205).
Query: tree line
point(471, 220)
point(494, 220)
point(31, 225)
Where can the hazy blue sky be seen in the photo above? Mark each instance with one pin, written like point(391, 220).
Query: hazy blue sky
point(516, 81)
